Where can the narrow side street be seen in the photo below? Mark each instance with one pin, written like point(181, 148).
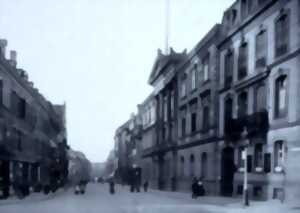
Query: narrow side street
point(97, 199)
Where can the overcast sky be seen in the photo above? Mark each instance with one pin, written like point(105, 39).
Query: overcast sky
point(97, 55)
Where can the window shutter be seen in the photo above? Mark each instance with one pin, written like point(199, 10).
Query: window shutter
point(249, 163)
point(267, 162)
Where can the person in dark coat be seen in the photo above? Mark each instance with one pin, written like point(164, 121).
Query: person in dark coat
point(195, 188)
point(145, 185)
point(111, 187)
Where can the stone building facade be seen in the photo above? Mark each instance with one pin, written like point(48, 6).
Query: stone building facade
point(147, 112)
point(198, 114)
point(32, 132)
point(238, 87)
point(128, 148)
point(259, 91)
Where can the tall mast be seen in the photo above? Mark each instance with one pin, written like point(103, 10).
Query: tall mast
point(167, 27)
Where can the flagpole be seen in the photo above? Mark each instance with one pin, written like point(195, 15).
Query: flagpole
point(167, 27)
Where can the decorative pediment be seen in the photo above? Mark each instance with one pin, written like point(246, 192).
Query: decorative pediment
point(162, 61)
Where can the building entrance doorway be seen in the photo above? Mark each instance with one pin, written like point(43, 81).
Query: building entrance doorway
point(4, 179)
point(161, 174)
point(227, 171)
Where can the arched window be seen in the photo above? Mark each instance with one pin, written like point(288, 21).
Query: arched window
point(242, 104)
point(204, 165)
point(281, 96)
point(192, 165)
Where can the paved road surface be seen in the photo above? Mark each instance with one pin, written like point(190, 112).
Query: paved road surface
point(98, 200)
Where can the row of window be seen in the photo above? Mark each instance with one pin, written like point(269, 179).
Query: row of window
point(203, 166)
point(262, 161)
point(198, 73)
point(261, 46)
point(17, 104)
point(194, 117)
point(260, 100)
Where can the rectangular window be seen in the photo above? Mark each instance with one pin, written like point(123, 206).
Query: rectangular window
point(282, 35)
point(193, 79)
point(258, 157)
point(22, 108)
point(206, 68)
point(281, 96)
point(261, 49)
point(228, 68)
point(267, 162)
point(194, 122)
point(205, 121)
point(249, 163)
point(278, 156)
point(243, 61)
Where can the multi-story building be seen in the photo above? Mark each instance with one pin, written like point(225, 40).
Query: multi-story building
point(127, 148)
point(31, 153)
point(147, 112)
point(259, 94)
point(163, 78)
point(237, 89)
point(198, 114)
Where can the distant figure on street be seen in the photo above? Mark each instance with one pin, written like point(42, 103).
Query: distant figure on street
point(197, 188)
point(80, 187)
point(111, 187)
point(146, 184)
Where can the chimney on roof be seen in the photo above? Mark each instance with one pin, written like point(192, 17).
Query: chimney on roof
point(23, 74)
point(3, 44)
point(13, 58)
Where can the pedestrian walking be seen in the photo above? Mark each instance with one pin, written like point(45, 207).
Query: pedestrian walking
point(111, 187)
point(145, 185)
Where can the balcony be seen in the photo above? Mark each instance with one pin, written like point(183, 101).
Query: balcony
point(256, 124)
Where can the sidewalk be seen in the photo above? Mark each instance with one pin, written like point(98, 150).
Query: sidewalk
point(234, 205)
point(33, 197)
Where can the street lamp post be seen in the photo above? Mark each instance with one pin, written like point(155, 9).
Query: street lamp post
point(246, 141)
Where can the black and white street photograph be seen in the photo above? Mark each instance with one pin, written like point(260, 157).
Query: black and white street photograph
point(149, 106)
